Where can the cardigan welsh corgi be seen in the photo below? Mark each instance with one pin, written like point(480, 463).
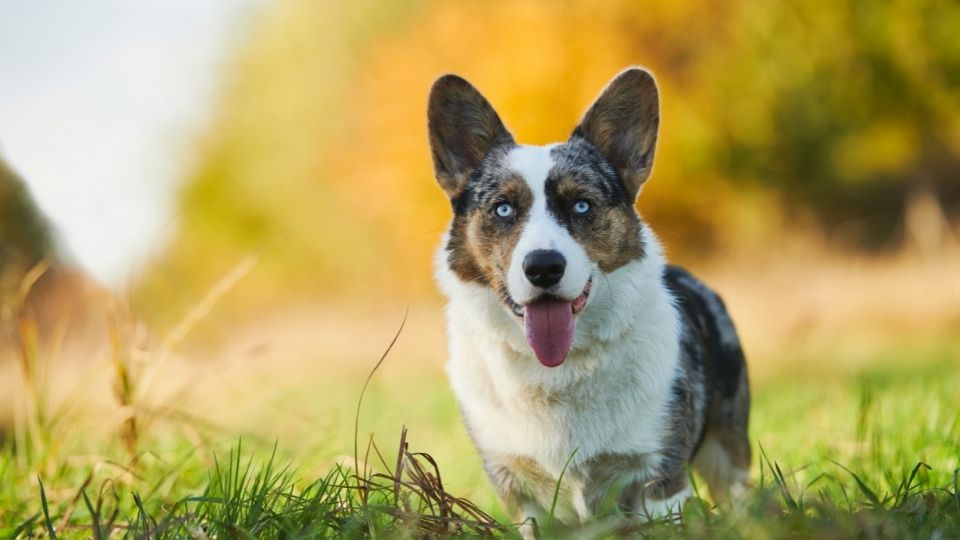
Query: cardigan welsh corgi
point(583, 364)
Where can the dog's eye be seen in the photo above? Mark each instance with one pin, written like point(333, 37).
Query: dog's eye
point(581, 207)
point(504, 210)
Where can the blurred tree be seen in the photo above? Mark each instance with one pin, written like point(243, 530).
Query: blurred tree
point(776, 115)
point(25, 237)
point(844, 108)
point(37, 279)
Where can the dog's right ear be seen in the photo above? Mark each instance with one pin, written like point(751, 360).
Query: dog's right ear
point(463, 128)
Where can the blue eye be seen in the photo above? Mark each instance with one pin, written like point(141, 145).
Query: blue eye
point(504, 210)
point(581, 207)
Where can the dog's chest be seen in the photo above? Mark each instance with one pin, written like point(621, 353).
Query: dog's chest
point(612, 405)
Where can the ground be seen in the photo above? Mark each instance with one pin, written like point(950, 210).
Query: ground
point(871, 451)
point(249, 430)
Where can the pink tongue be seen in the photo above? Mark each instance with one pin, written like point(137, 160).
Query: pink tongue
point(549, 328)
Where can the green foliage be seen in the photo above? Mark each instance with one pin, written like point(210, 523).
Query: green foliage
point(870, 453)
point(845, 106)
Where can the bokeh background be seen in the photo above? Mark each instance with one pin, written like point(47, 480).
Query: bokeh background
point(272, 213)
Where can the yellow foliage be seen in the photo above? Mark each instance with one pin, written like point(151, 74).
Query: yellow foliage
point(319, 153)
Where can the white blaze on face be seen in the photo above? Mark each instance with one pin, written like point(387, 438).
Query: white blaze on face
point(542, 231)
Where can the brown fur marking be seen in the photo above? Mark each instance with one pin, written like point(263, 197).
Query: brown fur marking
point(611, 236)
point(481, 244)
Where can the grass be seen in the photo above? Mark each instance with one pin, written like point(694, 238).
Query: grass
point(839, 452)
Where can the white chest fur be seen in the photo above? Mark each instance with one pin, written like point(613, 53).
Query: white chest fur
point(609, 396)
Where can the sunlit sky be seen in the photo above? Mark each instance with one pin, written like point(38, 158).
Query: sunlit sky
point(100, 102)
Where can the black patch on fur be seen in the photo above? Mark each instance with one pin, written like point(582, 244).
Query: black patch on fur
point(485, 181)
point(706, 313)
point(581, 160)
point(711, 348)
point(710, 393)
point(688, 412)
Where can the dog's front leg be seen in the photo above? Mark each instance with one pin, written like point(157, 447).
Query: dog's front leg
point(516, 494)
point(528, 490)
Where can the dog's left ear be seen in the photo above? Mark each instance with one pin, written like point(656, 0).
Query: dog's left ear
point(622, 124)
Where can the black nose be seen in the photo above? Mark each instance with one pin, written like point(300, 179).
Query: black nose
point(544, 267)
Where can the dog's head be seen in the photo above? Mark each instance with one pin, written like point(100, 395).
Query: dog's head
point(539, 224)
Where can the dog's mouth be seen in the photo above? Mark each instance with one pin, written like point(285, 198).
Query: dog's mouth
point(548, 323)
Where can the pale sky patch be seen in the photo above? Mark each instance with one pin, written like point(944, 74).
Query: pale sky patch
point(100, 103)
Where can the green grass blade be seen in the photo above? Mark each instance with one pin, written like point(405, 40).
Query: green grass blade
point(864, 488)
point(142, 520)
point(956, 489)
point(556, 489)
point(46, 511)
point(780, 480)
point(26, 525)
point(908, 485)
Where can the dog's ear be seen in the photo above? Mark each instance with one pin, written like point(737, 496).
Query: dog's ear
point(463, 128)
point(622, 124)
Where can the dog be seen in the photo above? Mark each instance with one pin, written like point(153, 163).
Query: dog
point(589, 373)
